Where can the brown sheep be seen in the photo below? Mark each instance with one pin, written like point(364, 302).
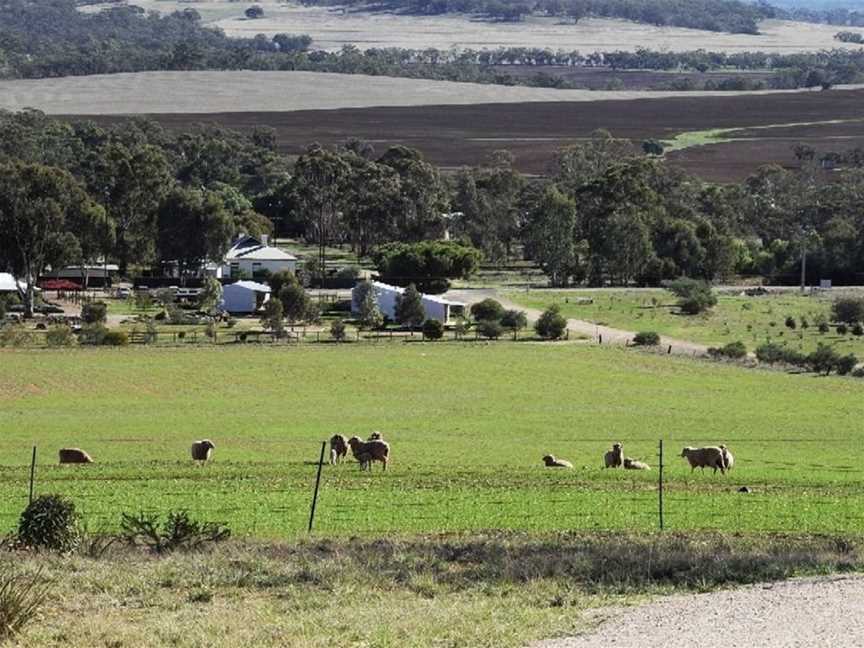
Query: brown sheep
point(709, 457)
point(202, 450)
point(368, 451)
point(74, 456)
point(633, 464)
point(552, 462)
point(338, 448)
point(615, 457)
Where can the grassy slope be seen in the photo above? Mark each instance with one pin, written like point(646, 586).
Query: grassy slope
point(478, 591)
point(468, 425)
point(726, 322)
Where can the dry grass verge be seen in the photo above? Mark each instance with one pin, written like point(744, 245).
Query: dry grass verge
point(492, 589)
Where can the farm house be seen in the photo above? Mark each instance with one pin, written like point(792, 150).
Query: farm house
point(437, 308)
point(244, 297)
point(250, 257)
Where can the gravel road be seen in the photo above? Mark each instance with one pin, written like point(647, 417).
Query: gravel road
point(806, 612)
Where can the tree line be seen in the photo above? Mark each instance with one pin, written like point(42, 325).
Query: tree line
point(608, 214)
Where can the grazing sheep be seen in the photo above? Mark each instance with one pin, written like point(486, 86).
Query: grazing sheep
point(614, 458)
point(552, 462)
point(710, 457)
point(375, 436)
point(74, 456)
point(368, 451)
point(202, 450)
point(728, 459)
point(633, 464)
point(338, 448)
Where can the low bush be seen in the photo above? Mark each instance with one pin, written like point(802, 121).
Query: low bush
point(49, 522)
point(514, 320)
point(858, 330)
point(490, 329)
point(848, 310)
point(733, 351)
point(846, 364)
point(769, 353)
point(552, 325)
point(842, 329)
point(694, 295)
point(14, 335)
point(646, 338)
point(823, 360)
point(488, 309)
point(94, 313)
point(93, 334)
point(115, 338)
point(60, 336)
point(178, 532)
point(794, 358)
point(21, 596)
point(824, 328)
point(791, 323)
point(433, 329)
point(338, 330)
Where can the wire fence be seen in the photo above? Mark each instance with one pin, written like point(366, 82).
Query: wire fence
point(801, 490)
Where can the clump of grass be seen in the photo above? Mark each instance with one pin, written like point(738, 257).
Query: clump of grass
point(21, 596)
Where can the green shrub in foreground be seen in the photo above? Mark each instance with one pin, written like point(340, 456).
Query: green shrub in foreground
point(489, 329)
point(733, 351)
point(769, 353)
point(116, 338)
point(552, 324)
point(488, 309)
point(433, 329)
point(49, 522)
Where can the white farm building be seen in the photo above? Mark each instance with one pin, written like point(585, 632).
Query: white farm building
point(437, 308)
point(249, 257)
point(244, 297)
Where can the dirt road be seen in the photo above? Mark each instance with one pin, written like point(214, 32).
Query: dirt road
point(824, 611)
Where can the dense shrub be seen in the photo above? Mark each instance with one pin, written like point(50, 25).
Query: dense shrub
point(178, 531)
point(428, 264)
point(842, 329)
point(552, 324)
point(857, 329)
point(733, 351)
point(823, 360)
point(116, 338)
point(790, 322)
point(824, 328)
point(14, 335)
point(845, 364)
point(338, 330)
point(60, 336)
point(92, 334)
point(794, 358)
point(514, 320)
point(488, 309)
point(769, 353)
point(694, 295)
point(433, 329)
point(49, 522)
point(646, 338)
point(848, 310)
point(490, 329)
point(94, 312)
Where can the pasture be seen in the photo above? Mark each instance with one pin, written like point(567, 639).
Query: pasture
point(468, 424)
point(332, 28)
point(751, 320)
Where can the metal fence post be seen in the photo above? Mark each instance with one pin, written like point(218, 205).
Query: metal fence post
point(660, 485)
point(32, 474)
point(317, 483)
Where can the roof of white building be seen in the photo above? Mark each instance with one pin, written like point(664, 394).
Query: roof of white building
point(424, 296)
point(9, 284)
point(250, 285)
point(249, 247)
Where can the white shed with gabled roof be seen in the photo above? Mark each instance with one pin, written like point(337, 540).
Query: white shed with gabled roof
point(434, 307)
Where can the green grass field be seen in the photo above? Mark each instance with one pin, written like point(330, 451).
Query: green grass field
point(752, 320)
point(468, 424)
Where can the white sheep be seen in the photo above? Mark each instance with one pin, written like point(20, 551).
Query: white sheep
point(202, 450)
point(615, 456)
point(74, 456)
point(633, 464)
point(552, 462)
point(709, 457)
point(728, 459)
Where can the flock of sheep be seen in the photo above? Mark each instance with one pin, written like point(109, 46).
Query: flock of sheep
point(375, 448)
point(716, 457)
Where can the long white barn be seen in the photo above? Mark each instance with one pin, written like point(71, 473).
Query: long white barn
point(437, 308)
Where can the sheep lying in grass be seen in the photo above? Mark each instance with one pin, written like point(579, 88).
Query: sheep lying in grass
point(709, 457)
point(552, 462)
point(368, 451)
point(202, 450)
point(74, 456)
point(614, 458)
point(633, 464)
point(728, 459)
point(338, 448)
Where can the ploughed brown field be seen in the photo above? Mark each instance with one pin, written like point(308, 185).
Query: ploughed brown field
point(452, 136)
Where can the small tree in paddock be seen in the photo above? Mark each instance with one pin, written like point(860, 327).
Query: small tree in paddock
point(848, 310)
point(409, 307)
point(487, 310)
point(552, 324)
point(694, 295)
point(514, 320)
point(272, 318)
point(433, 329)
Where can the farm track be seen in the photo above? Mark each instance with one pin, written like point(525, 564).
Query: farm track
point(825, 611)
point(597, 333)
point(454, 136)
